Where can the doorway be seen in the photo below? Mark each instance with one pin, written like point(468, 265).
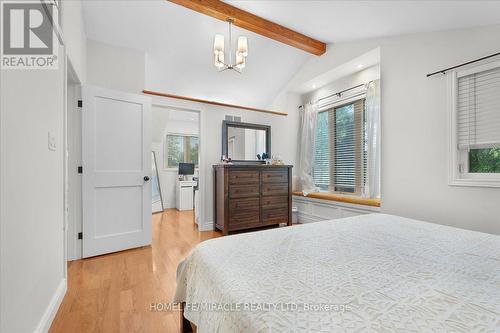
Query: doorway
point(73, 160)
point(176, 146)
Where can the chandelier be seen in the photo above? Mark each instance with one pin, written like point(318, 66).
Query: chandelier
point(241, 52)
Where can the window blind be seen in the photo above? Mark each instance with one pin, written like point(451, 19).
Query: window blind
point(478, 110)
point(321, 169)
point(348, 162)
point(340, 152)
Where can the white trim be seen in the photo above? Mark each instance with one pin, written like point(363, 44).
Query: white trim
point(337, 209)
point(328, 104)
point(206, 225)
point(337, 204)
point(455, 177)
point(474, 182)
point(181, 134)
point(51, 310)
point(477, 69)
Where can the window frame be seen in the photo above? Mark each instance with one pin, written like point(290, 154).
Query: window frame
point(458, 159)
point(165, 150)
point(350, 99)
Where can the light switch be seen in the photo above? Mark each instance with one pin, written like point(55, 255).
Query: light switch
point(52, 141)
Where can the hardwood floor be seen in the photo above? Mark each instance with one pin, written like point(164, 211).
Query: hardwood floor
point(114, 292)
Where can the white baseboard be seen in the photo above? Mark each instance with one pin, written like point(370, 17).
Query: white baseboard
point(206, 226)
point(53, 306)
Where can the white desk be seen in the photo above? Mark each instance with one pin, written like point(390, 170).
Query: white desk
point(184, 194)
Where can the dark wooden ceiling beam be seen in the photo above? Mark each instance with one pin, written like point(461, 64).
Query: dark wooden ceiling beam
point(248, 21)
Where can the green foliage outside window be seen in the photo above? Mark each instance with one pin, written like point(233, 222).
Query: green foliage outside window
point(181, 149)
point(345, 157)
point(484, 160)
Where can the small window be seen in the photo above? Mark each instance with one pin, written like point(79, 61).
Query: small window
point(484, 160)
point(181, 149)
point(475, 115)
point(340, 152)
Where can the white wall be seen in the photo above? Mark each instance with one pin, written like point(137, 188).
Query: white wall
point(360, 77)
point(74, 36)
point(115, 67)
point(32, 263)
point(414, 122)
point(31, 197)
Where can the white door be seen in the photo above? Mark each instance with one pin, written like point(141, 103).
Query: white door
point(116, 158)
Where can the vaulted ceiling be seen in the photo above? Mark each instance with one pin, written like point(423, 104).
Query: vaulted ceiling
point(178, 42)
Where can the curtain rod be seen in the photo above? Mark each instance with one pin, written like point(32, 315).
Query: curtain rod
point(340, 92)
point(443, 71)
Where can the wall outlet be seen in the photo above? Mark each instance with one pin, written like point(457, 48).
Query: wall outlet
point(52, 141)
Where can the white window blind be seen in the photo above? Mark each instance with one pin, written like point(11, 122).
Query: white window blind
point(321, 170)
point(340, 160)
point(478, 110)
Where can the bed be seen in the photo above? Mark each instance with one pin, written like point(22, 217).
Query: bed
point(376, 272)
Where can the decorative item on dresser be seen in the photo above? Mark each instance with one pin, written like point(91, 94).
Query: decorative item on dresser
point(251, 196)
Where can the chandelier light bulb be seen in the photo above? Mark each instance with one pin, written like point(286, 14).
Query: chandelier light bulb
point(219, 44)
point(242, 46)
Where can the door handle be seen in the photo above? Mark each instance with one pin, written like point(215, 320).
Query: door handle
point(146, 178)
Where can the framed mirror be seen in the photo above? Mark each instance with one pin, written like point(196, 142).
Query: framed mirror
point(244, 142)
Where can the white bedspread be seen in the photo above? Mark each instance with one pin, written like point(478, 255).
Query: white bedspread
point(390, 273)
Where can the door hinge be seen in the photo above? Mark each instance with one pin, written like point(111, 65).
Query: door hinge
point(80, 103)
point(80, 235)
point(80, 169)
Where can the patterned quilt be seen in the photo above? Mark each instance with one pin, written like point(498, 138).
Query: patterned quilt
point(370, 273)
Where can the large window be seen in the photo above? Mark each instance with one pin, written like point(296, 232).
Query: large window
point(181, 149)
point(476, 126)
point(340, 156)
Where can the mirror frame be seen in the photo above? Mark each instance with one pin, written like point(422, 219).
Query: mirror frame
point(225, 127)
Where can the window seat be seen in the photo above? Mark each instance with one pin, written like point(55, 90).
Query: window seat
point(341, 198)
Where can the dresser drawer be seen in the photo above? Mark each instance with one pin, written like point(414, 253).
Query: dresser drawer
point(271, 216)
point(242, 191)
point(251, 196)
point(246, 217)
point(274, 176)
point(275, 189)
point(237, 205)
point(275, 202)
point(243, 176)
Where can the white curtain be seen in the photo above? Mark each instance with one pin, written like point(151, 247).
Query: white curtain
point(307, 138)
point(372, 186)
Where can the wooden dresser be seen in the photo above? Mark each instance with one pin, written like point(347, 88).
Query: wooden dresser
point(251, 196)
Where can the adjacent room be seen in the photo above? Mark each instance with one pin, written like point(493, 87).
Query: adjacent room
point(175, 144)
point(250, 166)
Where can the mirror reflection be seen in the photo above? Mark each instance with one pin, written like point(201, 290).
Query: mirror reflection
point(245, 143)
